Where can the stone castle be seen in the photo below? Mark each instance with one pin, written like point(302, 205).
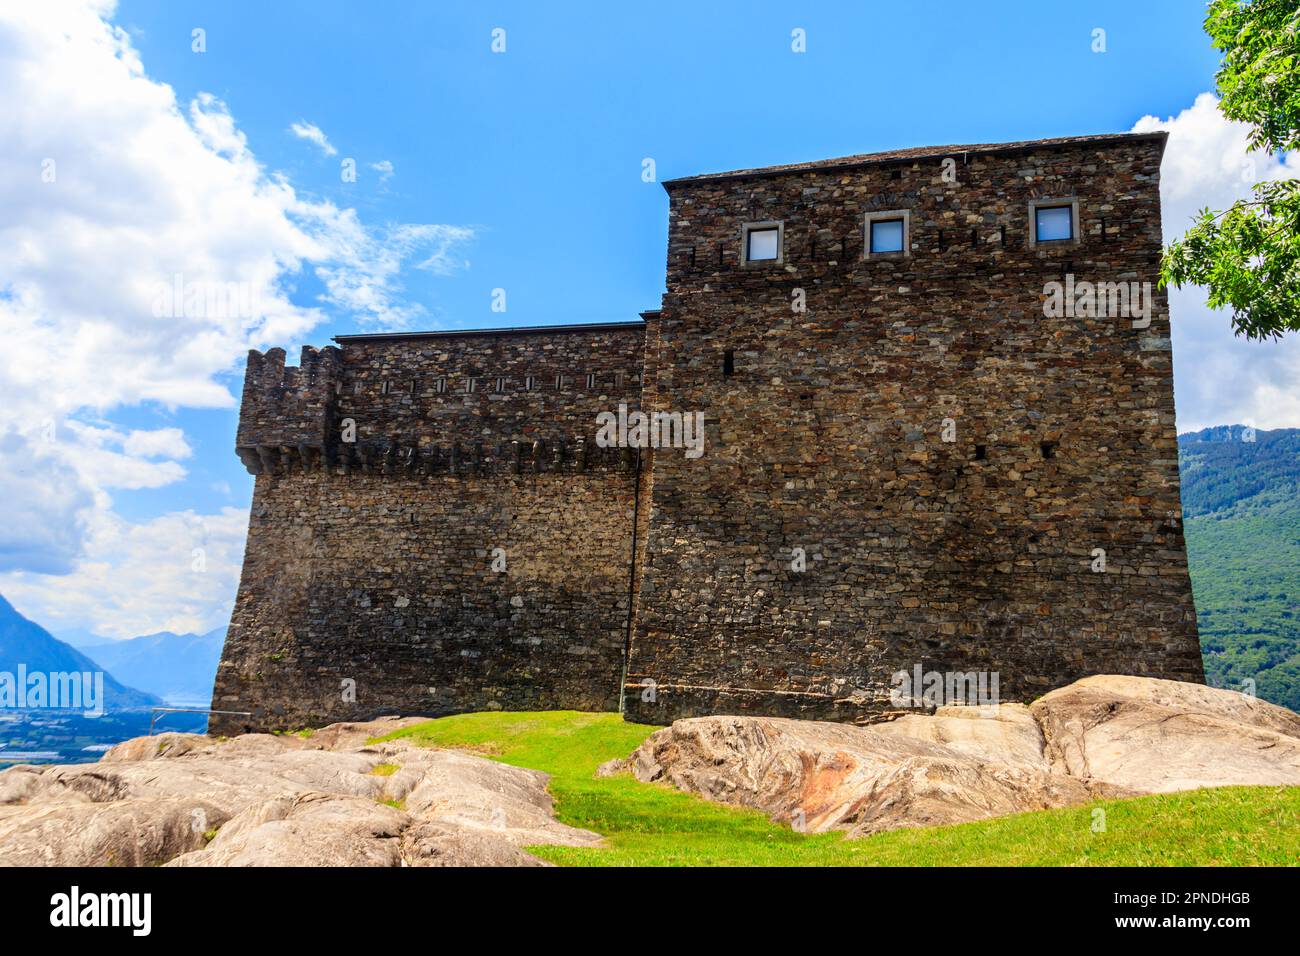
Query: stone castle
point(913, 457)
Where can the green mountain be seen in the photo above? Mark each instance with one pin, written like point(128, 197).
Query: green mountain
point(1241, 508)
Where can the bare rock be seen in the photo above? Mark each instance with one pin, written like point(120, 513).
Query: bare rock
point(510, 802)
point(307, 829)
point(436, 843)
point(158, 747)
point(823, 776)
point(1099, 737)
point(324, 800)
point(126, 833)
point(352, 735)
point(1004, 734)
point(612, 768)
point(1158, 736)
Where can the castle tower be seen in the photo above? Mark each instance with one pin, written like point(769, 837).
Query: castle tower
point(920, 457)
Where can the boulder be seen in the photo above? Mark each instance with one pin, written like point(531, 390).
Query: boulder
point(432, 843)
point(307, 829)
point(1002, 734)
point(821, 776)
point(1099, 737)
point(328, 799)
point(1158, 736)
point(143, 832)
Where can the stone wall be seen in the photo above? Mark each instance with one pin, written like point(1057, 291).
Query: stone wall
point(375, 561)
point(1043, 542)
point(974, 555)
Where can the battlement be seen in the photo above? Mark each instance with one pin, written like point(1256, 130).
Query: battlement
point(288, 411)
point(395, 458)
point(478, 402)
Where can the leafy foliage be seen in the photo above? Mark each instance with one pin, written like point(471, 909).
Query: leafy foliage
point(1259, 78)
point(1248, 256)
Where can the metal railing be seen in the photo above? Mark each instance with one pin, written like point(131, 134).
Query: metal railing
point(158, 712)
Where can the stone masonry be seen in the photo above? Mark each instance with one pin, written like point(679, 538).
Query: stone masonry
point(909, 461)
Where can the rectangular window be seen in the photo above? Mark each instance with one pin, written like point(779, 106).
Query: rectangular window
point(530, 383)
point(762, 242)
point(591, 380)
point(1053, 223)
point(559, 383)
point(470, 385)
point(501, 384)
point(887, 236)
point(384, 387)
point(888, 233)
point(440, 385)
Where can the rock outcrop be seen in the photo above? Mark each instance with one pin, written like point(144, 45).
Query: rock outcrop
point(1157, 736)
point(1098, 737)
point(265, 800)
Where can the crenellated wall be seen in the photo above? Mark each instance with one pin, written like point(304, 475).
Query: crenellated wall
point(287, 413)
point(465, 550)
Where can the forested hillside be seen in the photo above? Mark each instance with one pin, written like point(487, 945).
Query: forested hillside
point(1241, 502)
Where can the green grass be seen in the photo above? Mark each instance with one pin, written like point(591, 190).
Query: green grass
point(655, 825)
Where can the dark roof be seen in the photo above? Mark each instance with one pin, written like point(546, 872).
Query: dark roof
point(924, 152)
point(518, 330)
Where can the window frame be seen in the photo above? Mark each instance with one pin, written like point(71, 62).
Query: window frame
point(887, 215)
point(1058, 202)
point(763, 226)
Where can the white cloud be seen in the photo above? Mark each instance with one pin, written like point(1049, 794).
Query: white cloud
point(1219, 378)
point(313, 134)
point(385, 169)
point(164, 442)
point(113, 194)
point(177, 572)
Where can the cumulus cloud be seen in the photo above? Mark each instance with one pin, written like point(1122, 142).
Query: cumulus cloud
point(313, 134)
point(48, 507)
point(1219, 378)
point(143, 250)
point(177, 572)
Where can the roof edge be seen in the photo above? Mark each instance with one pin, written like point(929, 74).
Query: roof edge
point(516, 330)
point(923, 152)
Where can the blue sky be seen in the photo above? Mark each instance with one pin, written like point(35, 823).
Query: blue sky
point(540, 149)
point(476, 170)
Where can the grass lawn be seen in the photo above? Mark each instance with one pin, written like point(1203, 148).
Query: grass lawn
point(655, 825)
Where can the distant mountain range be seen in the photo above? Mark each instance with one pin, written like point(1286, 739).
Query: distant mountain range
point(179, 668)
point(1241, 507)
point(26, 647)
